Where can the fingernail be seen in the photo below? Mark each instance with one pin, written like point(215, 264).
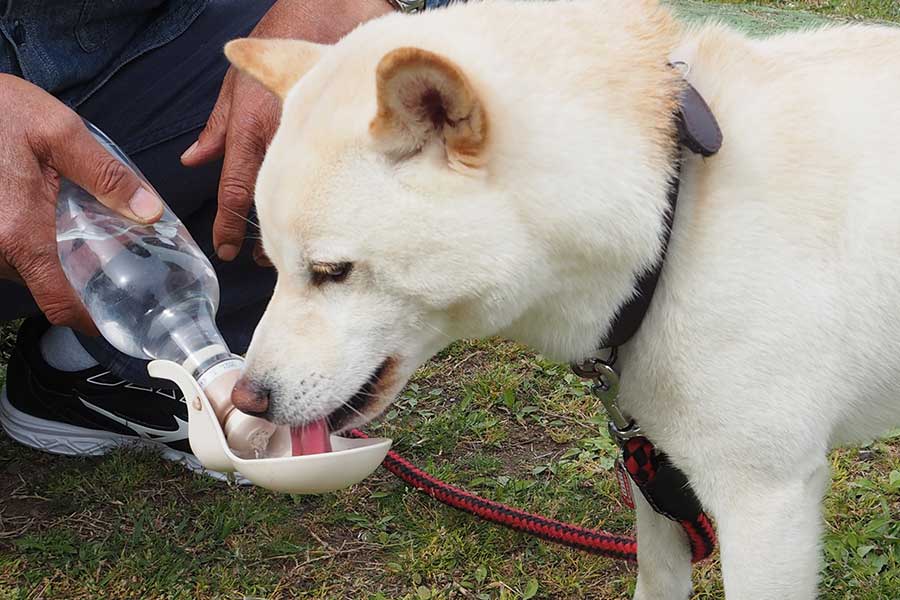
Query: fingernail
point(227, 252)
point(145, 204)
point(190, 150)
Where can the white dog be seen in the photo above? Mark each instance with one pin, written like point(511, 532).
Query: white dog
point(502, 169)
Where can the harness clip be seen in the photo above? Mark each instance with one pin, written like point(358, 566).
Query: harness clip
point(606, 389)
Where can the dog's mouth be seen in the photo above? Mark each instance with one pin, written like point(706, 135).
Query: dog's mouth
point(314, 437)
point(364, 398)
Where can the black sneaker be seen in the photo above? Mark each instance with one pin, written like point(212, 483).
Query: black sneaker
point(89, 412)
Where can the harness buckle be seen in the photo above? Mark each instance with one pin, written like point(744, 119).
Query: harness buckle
point(606, 389)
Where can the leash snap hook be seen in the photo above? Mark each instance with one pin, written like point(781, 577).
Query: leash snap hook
point(606, 389)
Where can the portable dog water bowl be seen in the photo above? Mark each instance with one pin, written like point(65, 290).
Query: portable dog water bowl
point(350, 461)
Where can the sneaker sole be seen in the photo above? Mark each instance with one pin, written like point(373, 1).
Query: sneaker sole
point(70, 440)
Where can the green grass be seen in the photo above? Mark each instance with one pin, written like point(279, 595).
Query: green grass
point(853, 9)
point(488, 416)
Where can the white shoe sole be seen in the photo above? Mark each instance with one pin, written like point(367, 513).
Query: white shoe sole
point(70, 440)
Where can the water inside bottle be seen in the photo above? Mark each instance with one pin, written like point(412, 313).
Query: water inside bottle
point(146, 286)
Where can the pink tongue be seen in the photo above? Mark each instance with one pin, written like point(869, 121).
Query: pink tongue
point(311, 438)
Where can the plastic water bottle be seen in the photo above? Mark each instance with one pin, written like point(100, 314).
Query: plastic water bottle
point(153, 295)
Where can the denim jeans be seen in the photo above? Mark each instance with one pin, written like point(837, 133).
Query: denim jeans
point(72, 47)
point(152, 95)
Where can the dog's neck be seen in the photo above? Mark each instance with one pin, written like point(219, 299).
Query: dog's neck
point(605, 306)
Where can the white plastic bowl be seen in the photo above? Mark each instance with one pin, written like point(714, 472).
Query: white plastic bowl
point(350, 461)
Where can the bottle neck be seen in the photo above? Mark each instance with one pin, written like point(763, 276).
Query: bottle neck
point(211, 363)
point(187, 333)
point(216, 374)
point(247, 436)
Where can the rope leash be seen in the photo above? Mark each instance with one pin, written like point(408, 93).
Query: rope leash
point(698, 528)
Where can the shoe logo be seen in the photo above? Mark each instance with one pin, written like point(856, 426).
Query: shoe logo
point(107, 379)
point(148, 433)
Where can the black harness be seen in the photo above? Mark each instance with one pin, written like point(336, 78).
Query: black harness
point(663, 485)
point(699, 132)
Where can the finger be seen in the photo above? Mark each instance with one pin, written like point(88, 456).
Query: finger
point(247, 140)
point(210, 145)
point(81, 158)
point(260, 257)
point(44, 277)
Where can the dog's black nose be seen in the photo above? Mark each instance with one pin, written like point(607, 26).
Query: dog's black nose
point(249, 397)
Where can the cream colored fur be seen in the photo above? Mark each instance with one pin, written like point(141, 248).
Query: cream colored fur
point(774, 332)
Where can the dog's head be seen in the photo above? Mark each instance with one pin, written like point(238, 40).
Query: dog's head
point(410, 199)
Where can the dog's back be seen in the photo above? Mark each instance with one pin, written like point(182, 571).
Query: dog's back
point(786, 249)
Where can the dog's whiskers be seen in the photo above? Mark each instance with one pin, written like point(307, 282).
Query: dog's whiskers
point(440, 331)
point(239, 215)
point(348, 405)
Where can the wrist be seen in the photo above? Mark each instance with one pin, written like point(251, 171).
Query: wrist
point(357, 11)
point(320, 21)
point(375, 8)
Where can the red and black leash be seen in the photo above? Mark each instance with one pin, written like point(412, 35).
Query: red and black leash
point(650, 475)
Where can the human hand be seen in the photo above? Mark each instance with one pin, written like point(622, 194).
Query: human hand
point(246, 115)
point(44, 140)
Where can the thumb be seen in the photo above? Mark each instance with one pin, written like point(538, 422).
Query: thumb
point(87, 163)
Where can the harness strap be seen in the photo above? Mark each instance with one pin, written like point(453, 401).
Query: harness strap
point(699, 132)
point(665, 487)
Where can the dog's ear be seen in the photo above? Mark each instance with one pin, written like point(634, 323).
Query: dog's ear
point(422, 96)
point(277, 64)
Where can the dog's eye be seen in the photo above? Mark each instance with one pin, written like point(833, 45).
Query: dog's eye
point(334, 272)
